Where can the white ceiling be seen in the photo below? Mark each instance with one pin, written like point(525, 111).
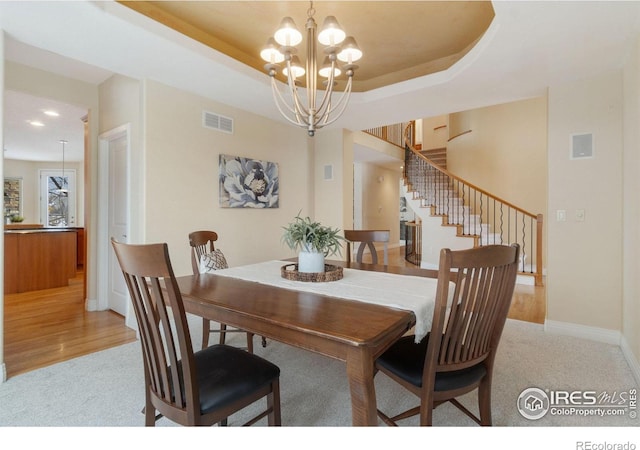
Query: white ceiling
point(22, 140)
point(528, 47)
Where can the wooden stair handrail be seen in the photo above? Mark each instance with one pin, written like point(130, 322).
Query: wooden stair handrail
point(457, 178)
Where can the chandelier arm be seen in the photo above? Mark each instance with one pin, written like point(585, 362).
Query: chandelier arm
point(298, 107)
point(301, 112)
point(277, 96)
point(278, 99)
point(342, 105)
point(326, 97)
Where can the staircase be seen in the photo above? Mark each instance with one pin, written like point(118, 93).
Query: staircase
point(436, 156)
point(456, 214)
point(459, 215)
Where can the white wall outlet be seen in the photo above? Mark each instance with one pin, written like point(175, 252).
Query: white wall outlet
point(561, 215)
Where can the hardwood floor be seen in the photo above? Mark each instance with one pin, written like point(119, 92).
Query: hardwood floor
point(49, 326)
point(528, 304)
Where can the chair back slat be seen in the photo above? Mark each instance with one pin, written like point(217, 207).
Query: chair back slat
point(367, 238)
point(467, 324)
point(164, 334)
point(201, 242)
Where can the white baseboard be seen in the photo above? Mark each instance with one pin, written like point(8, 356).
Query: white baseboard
point(92, 304)
point(603, 335)
point(599, 335)
point(582, 331)
point(631, 359)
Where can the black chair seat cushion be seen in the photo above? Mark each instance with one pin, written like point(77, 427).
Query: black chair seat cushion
point(405, 359)
point(226, 374)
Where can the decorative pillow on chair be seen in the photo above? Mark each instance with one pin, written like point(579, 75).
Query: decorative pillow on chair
point(213, 261)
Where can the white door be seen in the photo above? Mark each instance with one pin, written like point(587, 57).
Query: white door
point(118, 220)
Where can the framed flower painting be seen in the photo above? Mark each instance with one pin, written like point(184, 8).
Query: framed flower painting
point(248, 183)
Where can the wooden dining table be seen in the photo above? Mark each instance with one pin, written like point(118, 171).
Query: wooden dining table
point(348, 330)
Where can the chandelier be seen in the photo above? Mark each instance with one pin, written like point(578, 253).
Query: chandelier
point(281, 50)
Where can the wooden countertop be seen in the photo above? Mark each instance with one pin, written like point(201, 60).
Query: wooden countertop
point(12, 229)
point(22, 226)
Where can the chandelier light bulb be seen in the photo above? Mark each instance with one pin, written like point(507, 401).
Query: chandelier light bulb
point(350, 52)
point(270, 52)
point(288, 34)
point(331, 33)
point(325, 70)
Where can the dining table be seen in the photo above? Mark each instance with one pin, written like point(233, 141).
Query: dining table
point(332, 322)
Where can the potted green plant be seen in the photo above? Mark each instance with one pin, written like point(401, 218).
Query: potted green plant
point(16, 218)
point(313, 242)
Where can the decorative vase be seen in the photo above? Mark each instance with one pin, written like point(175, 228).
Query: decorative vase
point(310, 262)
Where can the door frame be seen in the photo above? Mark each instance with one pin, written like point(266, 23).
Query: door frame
point(104, 240)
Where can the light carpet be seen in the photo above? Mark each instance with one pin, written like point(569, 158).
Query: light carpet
point(105, 389)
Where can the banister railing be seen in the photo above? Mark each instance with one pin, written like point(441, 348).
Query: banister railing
point(393, 134)
point(476, 212)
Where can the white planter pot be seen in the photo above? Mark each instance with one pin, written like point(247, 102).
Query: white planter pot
point(310, 262)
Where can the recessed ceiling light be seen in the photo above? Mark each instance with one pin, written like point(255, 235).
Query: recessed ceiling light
point(52, 113)
point(36, 123)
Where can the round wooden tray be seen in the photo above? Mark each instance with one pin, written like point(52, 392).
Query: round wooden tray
point(331, 273)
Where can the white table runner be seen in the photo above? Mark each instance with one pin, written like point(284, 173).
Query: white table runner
point(416, 294)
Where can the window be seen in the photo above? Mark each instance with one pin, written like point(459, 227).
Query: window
point(58, 198)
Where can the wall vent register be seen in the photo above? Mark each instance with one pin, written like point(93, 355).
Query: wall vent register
point(218, 122)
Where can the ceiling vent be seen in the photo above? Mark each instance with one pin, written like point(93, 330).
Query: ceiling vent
point(217, 122)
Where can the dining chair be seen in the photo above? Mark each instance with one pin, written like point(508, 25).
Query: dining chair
point(367, 239)
point(458, 355)
point(201, 388)
point(203, 243)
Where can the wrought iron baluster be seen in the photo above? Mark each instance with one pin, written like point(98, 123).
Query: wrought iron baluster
point(481, 213)
point(531, 222)
point(501, 223)
point(524, 234)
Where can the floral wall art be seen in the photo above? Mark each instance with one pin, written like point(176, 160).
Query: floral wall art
point(248, 183)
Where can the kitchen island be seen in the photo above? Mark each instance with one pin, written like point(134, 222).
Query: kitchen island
point(38, 258)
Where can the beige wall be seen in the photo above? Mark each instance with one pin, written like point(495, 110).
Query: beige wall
point(584, 278)
point(332, 196)
point(435, 132)
point(381, 201)
point(631, 204)
point(505, 153)
point(181, 177)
